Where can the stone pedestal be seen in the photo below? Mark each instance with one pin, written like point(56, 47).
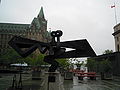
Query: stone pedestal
point(53, 81)
point(68, 76)
point(36, 75)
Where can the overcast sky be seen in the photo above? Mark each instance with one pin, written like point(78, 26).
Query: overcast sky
point(78, 19)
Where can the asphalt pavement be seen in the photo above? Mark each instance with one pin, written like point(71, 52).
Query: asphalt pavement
point(86, 84)
point(74, 84)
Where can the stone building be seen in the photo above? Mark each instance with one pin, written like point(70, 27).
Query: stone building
point(116, 35)
point(37, 30)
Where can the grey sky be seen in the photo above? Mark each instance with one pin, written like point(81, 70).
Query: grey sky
point(78, 19)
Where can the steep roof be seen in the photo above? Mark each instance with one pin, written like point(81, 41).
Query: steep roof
point(36, 23)
point(7, 27)
point(41, 13)
point(12, 26)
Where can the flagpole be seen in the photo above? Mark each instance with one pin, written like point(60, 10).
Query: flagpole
point(115, 13)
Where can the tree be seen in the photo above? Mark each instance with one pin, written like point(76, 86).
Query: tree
point(91, 64)
point(29, 60)
point(39, 60)
point(11, 56)
point(64, 63)
point(105, 65)
point(34, 59)
point(108, 51)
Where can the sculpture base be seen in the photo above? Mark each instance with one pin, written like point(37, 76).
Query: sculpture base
point(53, 81)
point(68, 76)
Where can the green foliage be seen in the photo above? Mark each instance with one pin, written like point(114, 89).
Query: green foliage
point(10, 57)
point(64, 63)
point(108, 51)
point(91, 64)
point(29, 60)
point(39, 60)
point(35, 60)
point(13, 57)
point(105, 65)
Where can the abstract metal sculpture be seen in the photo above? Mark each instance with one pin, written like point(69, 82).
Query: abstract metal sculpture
point(55, 48)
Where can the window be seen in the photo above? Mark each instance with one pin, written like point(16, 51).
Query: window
point(1, 36)
point(117, 38)
point(118, 47)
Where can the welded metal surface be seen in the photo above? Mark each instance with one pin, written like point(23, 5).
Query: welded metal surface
point(56, 48)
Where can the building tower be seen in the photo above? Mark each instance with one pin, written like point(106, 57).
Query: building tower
point(116, 35)
point(37, 30)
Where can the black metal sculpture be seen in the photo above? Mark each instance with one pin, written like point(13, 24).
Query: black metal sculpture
point(55, 48)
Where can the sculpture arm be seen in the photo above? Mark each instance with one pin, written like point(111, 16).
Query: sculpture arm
point(28, 51)
point(42, 49)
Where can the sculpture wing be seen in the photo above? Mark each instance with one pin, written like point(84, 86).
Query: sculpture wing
point(81, 49)
point(25, 46)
